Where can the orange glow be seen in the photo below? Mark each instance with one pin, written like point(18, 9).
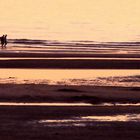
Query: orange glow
point(58, 74)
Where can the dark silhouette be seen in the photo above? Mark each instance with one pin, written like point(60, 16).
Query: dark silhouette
point(3, 40)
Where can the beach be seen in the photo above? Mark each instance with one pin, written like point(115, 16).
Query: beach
point(69, 70)
point(68, 94)
point(23, 123)
point(50, 94)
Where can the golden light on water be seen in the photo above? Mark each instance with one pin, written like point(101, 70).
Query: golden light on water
point(102, 20)
point(122, 78)
point(59, 74)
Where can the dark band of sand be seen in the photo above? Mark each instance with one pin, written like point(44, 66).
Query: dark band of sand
point(22, 123)
point(71, 64)
point(60, 93)
point(45, 54)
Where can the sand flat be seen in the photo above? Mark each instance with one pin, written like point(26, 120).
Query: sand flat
point(71, 64)
point(61, 93)
point(23, 123)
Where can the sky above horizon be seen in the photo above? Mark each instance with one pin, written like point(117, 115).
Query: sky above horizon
point(102, 20)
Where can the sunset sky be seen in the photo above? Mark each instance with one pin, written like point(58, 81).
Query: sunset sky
point(99, 20)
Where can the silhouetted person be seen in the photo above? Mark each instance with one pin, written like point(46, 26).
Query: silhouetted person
point(2, 38)
point(5, 40)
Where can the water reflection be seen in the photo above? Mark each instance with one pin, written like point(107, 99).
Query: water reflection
point(127, 117)
point(90, 120)
point(124, 118)
point(58, 74)
point(43, 104)
point(96, 77)
point(67, 58)
point(67, 104)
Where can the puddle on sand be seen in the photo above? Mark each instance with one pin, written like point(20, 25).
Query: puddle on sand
point(84, 121)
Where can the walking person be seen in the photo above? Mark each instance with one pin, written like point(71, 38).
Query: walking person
point(2, 41)
point(5, 40)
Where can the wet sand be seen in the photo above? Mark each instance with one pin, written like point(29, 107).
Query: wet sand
point(71, 63)
point(57, 58)
point(74, 54)
point(62, 93)
point(23, 123)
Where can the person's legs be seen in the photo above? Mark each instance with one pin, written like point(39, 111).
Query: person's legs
point(5, 40)
point(5, 44)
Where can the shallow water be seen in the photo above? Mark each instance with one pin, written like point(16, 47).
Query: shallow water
point(66, 58)
point(66, 104)
point(83, 121)
point(43, 104)
point(71, 20)
point(79, 120)
point(71, 77)
point(65, 47)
